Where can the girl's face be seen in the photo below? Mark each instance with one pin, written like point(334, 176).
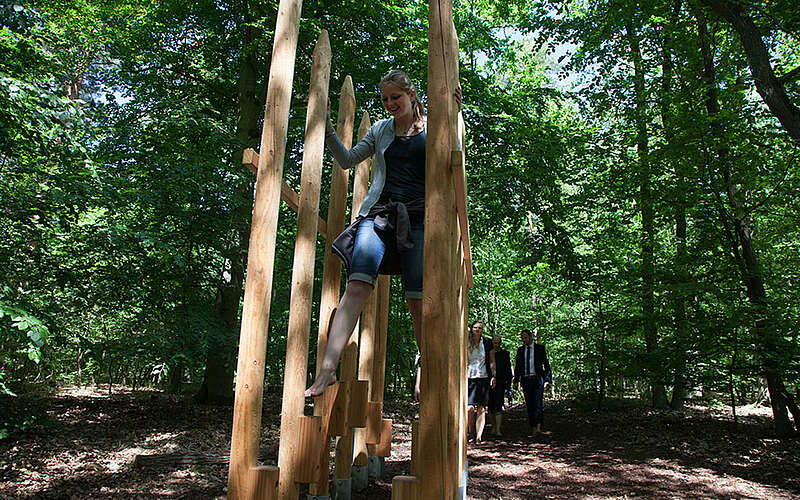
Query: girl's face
point(496, 342)
point(477, 330)
point(396, 100)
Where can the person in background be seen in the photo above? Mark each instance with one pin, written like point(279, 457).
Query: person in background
point(532, 368)
point(480, 378)
point(497, 394)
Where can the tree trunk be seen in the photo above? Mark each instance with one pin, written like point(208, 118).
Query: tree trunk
point(217, 386)
point(681, 275)
point(602, 370)
point(649, 326)
point(768, 85)
point(175, 378)
point(731, 368)
point(765, 334)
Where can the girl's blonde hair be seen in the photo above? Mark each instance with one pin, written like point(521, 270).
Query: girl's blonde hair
point(400, 79)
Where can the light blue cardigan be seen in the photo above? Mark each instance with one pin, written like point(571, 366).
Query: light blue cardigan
point(377, 141)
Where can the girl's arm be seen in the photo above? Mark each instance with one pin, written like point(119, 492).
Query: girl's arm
point(358, 153)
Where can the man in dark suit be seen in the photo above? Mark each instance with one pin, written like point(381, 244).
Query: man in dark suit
point(533, 370)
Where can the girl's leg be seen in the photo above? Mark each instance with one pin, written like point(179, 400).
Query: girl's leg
point(412, 275)
point(355, 294)
point(367, 255)
point(480, 422)
point(415, 308)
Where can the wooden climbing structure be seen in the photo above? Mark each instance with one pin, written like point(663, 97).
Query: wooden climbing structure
point(351, 411)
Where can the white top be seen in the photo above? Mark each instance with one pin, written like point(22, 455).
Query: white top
point(476, 361)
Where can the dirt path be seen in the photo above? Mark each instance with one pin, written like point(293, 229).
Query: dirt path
point(88, 450)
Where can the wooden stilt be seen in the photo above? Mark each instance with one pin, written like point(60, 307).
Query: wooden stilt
point(293, 452)
point(379, 361)
point(261, 256)
point(264, 479)
point(365, 357)
point(332, 270)
point(406, 488)
point(437, 418)
point(349, 364)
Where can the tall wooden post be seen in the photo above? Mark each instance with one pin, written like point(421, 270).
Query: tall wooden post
point(366, 355)
point(349, 365)
point(292, 451)
point(261, 256)
point(378, 377)
point(440, 328)
point(332, 266)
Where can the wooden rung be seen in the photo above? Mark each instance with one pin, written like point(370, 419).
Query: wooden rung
point(384, 448)
point(337, 425)
point(309, 443)
point(327, 402)
point(250, 160)
point(359, 396)
point(374, 411)
point(264, 482)
point(405, 488)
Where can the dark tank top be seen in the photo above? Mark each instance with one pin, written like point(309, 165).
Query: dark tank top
point(405, 168)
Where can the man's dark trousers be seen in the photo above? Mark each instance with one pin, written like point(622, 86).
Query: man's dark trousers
point(533, 390)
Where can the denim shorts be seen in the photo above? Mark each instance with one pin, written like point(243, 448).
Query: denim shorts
point(368, 252)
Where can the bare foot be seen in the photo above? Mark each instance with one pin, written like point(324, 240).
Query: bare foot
point(324, 379)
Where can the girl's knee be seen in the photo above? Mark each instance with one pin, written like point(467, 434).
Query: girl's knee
point(358, 289)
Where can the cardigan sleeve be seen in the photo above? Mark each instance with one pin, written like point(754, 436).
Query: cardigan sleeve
point(358, 153)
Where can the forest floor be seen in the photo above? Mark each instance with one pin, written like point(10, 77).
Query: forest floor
point(87, 446)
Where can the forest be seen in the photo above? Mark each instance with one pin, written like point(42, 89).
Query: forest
point(632, 171)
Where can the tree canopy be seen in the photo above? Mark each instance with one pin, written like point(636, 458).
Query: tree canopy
point(632, 178)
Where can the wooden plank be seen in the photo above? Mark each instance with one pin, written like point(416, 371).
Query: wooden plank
point(359, 395)
point(374, 423)
point(300, 300)
point(339, 414)
point(332, 267)
point(261, 256)
point(440, 329)
point(250, 160)
point(384, 448)
point(305, 464)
